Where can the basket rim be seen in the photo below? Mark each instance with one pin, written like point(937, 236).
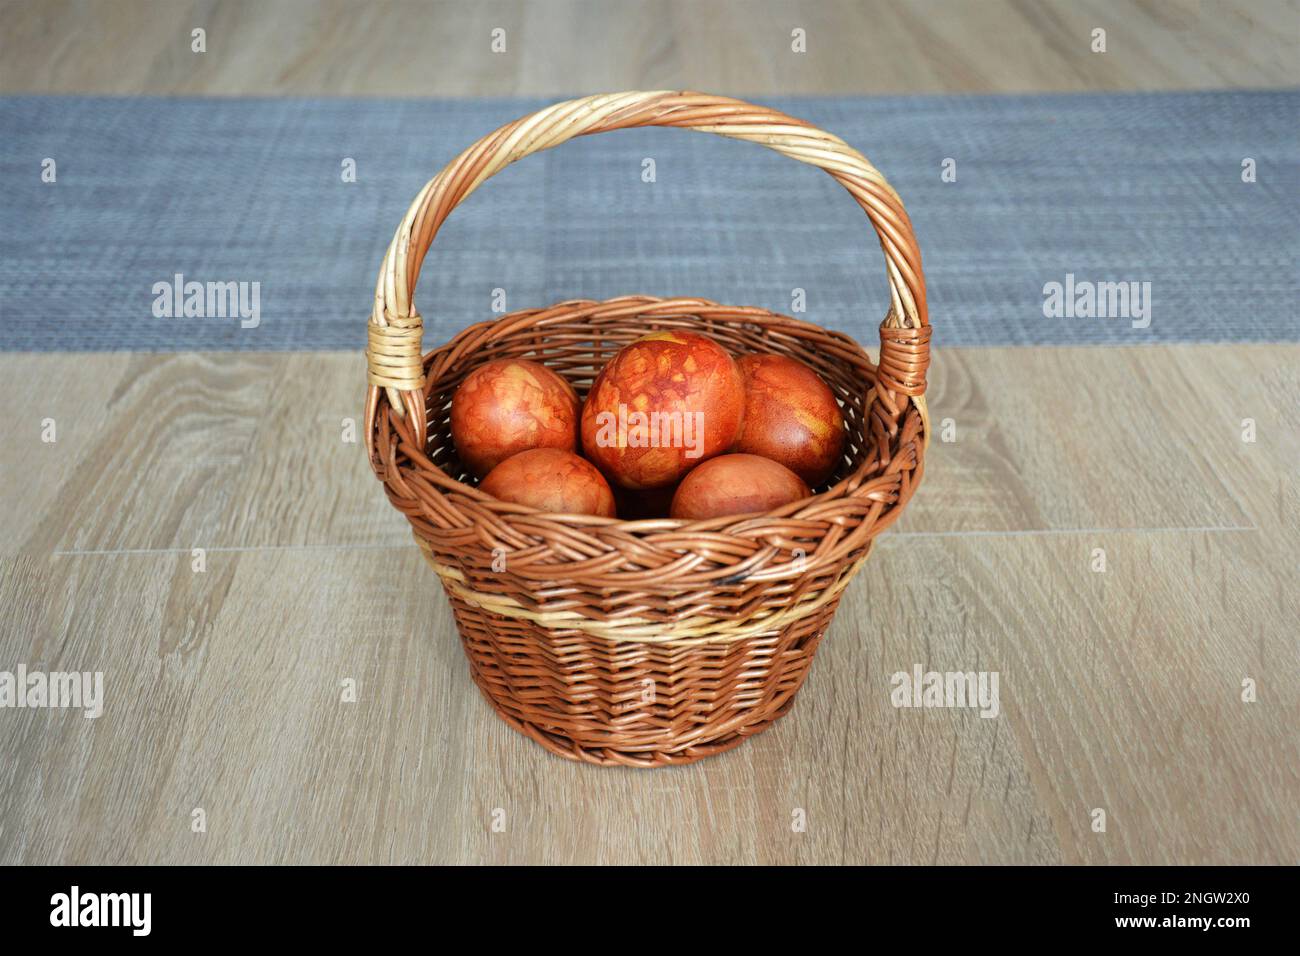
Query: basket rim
point(869, 482)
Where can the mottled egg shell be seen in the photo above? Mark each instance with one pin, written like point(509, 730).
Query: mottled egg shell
point(550, 479)
point(736, 485)
point(510, 405)
point(791, 416)
point(662, 405)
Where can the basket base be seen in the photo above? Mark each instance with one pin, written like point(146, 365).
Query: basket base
point(565, 746)
point(635, 705)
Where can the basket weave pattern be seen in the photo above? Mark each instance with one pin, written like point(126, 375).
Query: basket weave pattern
point(658, 641)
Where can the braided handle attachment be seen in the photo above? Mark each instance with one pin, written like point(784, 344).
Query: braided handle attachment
point(394, 352)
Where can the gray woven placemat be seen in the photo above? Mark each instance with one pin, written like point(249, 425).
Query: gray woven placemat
point(1142, 188)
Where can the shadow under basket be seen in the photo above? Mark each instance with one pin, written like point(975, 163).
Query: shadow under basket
point(651, 642)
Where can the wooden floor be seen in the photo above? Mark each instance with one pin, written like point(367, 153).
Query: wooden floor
point(1120, 690)
point(558, 47)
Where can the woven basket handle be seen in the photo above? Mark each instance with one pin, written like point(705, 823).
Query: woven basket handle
point(394, 352)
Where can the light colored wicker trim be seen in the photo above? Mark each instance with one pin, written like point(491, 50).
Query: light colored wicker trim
point(686, 632)
point(393, 356)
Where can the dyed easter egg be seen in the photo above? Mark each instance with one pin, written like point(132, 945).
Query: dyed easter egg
point(662, 405)
point(736, 485)
point(550, 479)
point(791, 417)
point(508, 406)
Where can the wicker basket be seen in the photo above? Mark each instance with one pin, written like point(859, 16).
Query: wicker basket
point(651, 642)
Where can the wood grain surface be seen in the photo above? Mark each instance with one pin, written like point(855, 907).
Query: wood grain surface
point(1119, 690)
point(565, 47)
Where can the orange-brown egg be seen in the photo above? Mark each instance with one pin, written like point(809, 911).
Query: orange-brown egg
point(736, 485)
point(791, 416)
point(550, 479)
point(510, 405)
point(662, 405)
